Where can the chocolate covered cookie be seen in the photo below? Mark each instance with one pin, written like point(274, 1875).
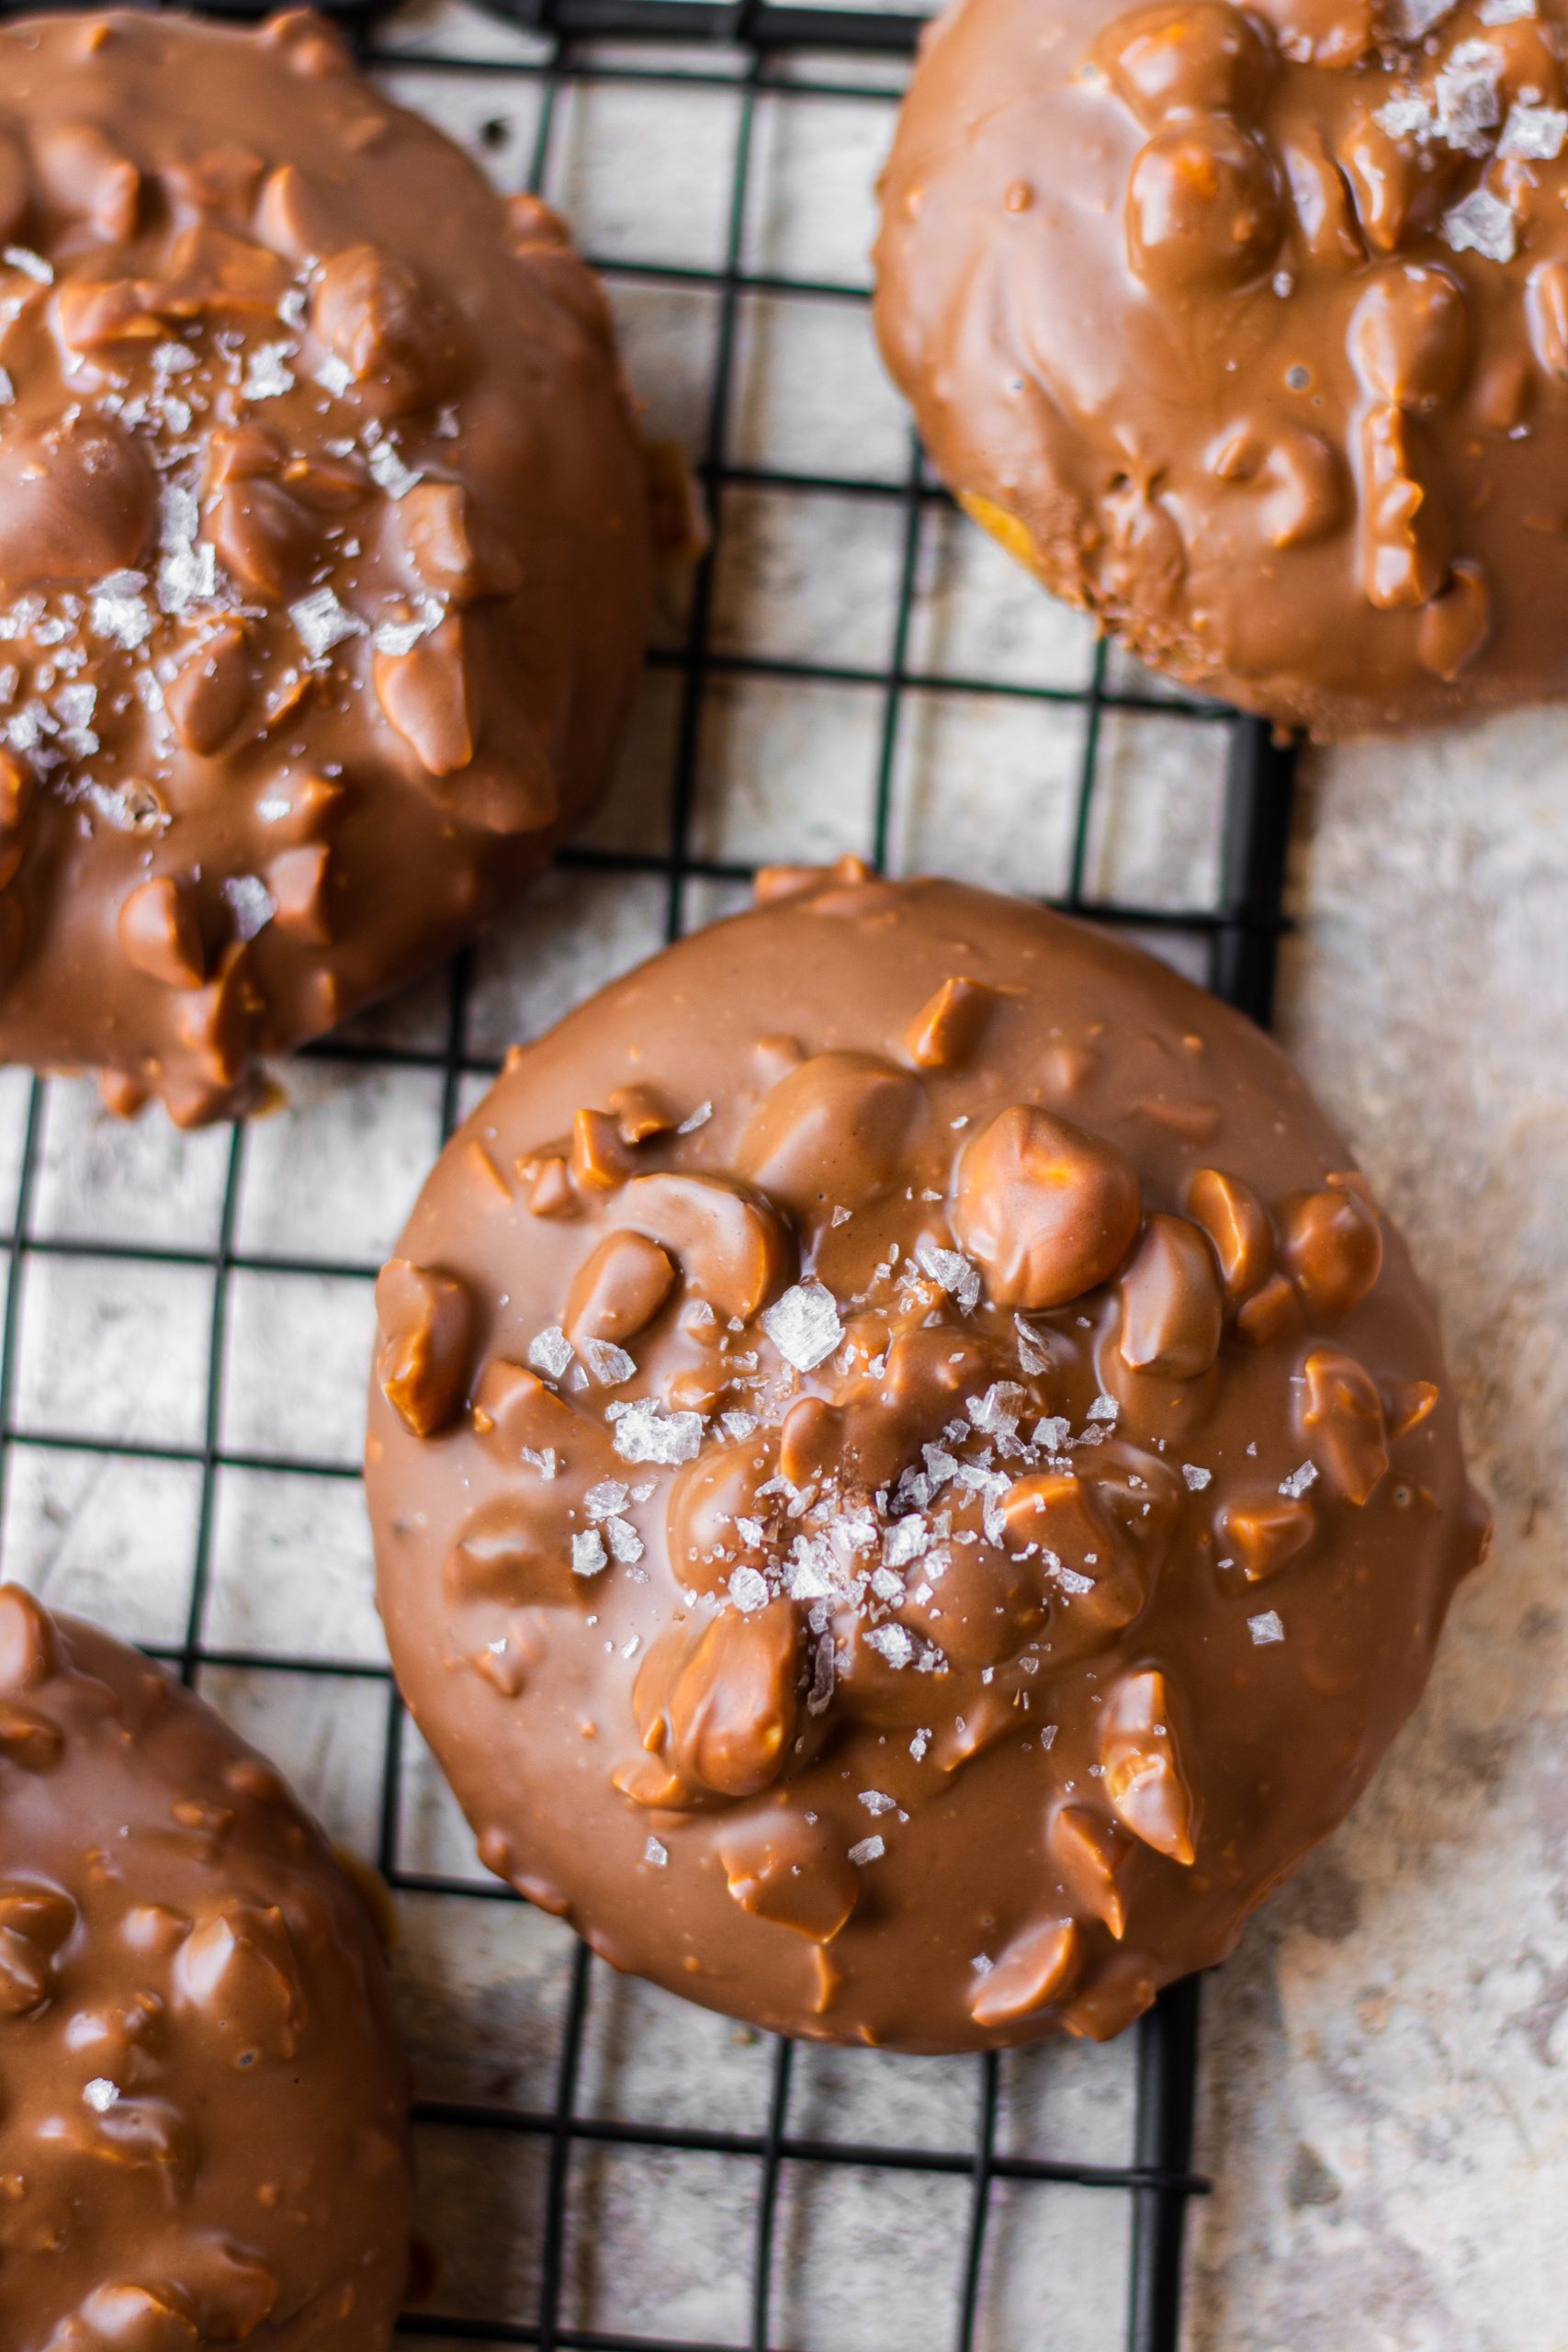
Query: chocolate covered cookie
point(911, 1481)
point(323, 547)
point(203, 2134)
point(1247, 330)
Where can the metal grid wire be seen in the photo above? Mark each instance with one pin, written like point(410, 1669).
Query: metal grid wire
point(205, 1442)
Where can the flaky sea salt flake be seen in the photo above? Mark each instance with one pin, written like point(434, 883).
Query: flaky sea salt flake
point(269, 375)
point(1197, 1478)
point(1408, 116)
point(655, 1853)
point(645, 1434)
point(1266, 1627)
point(323, 623)
point(1413, 19)
point(893, 1643)
point(609, 1364)
point(1469, 102)
point(625, 1544)
point(1482, 223)
point(952, 1272)
point(549, 1351)
point(867, 1850)
point(804, 1325)
point(251, 903)
point(1300, 1479)
point(588, 1553)
point(119, 609)
point(31, 265)
point(1534, 135)
point(749, 1590)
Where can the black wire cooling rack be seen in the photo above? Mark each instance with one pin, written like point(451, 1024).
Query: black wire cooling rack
point(763, 56)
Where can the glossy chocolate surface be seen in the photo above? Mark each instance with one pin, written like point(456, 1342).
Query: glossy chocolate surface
point(203, 2135)
point(323, 547)
point(910, 1481)
point(1248, 330)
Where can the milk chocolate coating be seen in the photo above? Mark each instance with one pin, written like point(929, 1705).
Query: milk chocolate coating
point(910, 1482)
point(323, 547)
point(203, 2137)
point(1247, 330)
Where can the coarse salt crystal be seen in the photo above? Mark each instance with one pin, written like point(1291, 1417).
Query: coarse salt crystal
point(1413, 18)
point(269, 375)
point(604, 1499)
point(252, 903)
point(609, 1364)
point(1196, 1475)
point(699, 1118)
point(952, 1272)
point(655, 1853)
point(549, 1351)
point(1409, 116)
point(1104, 1409)
point(906, 1540)
point(876, 1801)
point(893, 1643)
point(804, 1325)
point(323, 623)
point(1052, 1432)
point(738, 1425)
point(1300, 1479)
point(1534, 133)
point(1482, 223)
point(749, 1590)
point(625, 1544)
point(1266, 1627)
point(118, 610)
point(334, 375)
point(918, 1745)
point(644, 1434)
point(387, 470)
point(588, 1553)
point(996, 1411)
point(1032, 1356)
point(397, 637)
point(101, 2094)
point(867, 1850)
point(1469, 100)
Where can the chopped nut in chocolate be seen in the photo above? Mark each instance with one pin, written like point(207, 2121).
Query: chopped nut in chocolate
point(203, 2139)
point(324, 551)
point(840, 1520)
point(1247, 330)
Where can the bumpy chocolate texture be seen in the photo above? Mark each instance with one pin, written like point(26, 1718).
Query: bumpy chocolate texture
point(323, 547)
point(910, 1481)
point(203, 2138)
point(1247, 329)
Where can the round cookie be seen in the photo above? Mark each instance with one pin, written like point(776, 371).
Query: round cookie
point(910, 1481)
point(1247, 330)
point(324, 555)
point(204, 2133)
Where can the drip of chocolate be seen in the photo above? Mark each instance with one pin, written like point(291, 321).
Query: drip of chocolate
point(911, 1481)
point(204, 2133)
point(323, 547)
point(1248, 332)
